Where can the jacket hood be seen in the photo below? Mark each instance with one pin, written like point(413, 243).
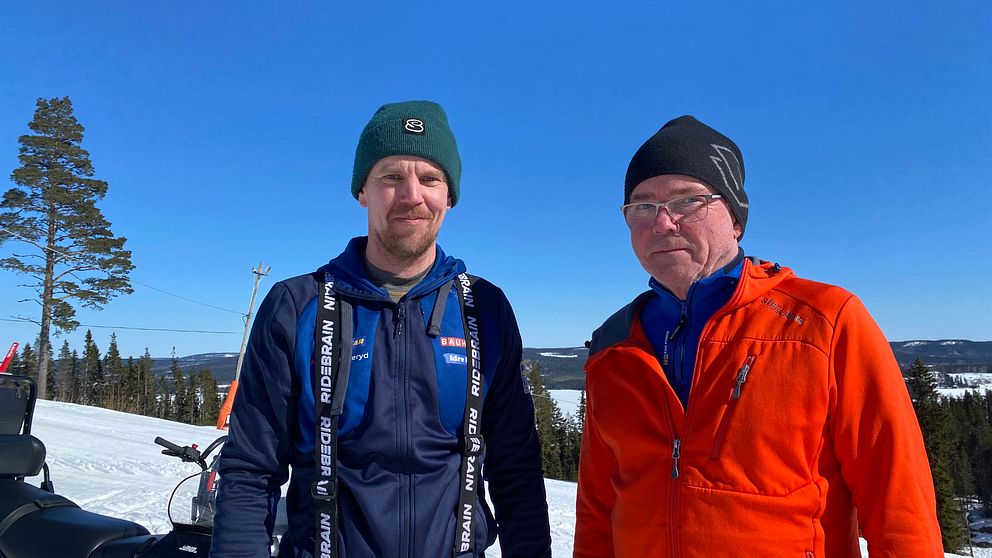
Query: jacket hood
point(351, 275)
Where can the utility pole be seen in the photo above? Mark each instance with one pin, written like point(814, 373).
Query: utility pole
point(225, 410)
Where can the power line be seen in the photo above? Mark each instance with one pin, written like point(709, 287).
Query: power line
point(188, 299)
point(73, 258)
point(562, 399)
point(140, 328)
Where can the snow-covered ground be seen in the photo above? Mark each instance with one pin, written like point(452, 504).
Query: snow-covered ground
point(984, 529)
point(107, 463)
point(975, 381)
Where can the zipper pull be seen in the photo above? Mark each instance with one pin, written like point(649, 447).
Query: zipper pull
point(678, 326)
point(676, 453)
point(742, 377)
point(400, 318)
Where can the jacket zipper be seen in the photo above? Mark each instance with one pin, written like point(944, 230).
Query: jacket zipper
point(673, 503)
point(400, 318)
point(683, 319)
point(674, 510)
point(673, 517)
point(671, 339)
point(406, 488)
point(735, 396)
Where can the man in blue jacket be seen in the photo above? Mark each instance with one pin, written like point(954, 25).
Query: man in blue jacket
point(415, 362)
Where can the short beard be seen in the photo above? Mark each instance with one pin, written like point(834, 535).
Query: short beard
point(405, 248)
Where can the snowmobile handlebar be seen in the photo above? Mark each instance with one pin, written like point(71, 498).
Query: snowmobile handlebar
point(189, 454)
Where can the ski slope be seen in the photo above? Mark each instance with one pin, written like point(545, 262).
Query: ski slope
point(106, 462)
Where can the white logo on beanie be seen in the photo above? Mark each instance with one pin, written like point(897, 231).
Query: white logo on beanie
point(730, 169)
point(413, 125)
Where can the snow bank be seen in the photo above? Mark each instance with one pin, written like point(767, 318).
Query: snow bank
point(107, 463)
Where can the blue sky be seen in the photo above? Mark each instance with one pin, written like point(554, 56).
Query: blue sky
point(226, 131)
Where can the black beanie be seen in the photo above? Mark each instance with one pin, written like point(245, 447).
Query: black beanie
point(687, 146)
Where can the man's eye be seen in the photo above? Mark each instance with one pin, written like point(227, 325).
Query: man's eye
point(644, 207)
point(392, 177)
point(690, 202)
point(431, 178)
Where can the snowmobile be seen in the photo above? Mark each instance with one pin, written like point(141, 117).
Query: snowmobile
point(35, 522)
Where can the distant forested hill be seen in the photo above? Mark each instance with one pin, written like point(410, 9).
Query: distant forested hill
point(562, 367)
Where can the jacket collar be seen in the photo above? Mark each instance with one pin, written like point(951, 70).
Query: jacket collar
point(757, 278)
point(703, 288)
point(352, 278)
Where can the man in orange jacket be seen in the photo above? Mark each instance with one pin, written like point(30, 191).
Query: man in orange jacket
point(735, 409)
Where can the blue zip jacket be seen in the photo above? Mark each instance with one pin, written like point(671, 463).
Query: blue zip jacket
point(399, 434)
point(674, 326)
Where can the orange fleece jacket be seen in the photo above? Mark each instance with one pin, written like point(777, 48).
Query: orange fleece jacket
point(787, 458)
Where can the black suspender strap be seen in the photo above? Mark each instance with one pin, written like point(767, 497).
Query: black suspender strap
point(437, 314)
point(472, 442)
point(332, 364)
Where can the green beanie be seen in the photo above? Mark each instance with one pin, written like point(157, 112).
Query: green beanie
point(418, 128)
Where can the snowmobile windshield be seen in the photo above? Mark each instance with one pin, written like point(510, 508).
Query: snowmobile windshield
point(193, 501)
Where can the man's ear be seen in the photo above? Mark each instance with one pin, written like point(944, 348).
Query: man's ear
point(738, 231)
point(361, 198)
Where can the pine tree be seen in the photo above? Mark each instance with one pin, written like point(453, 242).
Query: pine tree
point(52, 209)
point(192, 389)
point(985, 485)
point(163, 403)
point(50, 378)
point(571, 433)
point(209, 398)
point(581, 412)
point(91, 373)
point(113, 376)
point(549, 423)
point(63, 367)
point(146, 380)
point(25, 363)
point(128, 390)
point(978, 421)
point(961, 468)
point(74, 388)
point(180, 400)
point(935, 424)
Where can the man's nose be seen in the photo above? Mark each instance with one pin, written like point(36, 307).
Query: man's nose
point(664, 222)
point(410, 190)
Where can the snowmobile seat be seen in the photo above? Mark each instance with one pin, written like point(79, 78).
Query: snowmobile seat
point(21, 455)
point(17, 398)
point(34, 522)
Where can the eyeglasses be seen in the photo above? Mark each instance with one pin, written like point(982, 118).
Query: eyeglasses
point(681, 210)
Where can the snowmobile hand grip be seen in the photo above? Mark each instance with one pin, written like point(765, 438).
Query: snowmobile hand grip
point(169, 445)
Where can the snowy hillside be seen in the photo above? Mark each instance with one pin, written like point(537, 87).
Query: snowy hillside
point(107, 463)
point(974, 381)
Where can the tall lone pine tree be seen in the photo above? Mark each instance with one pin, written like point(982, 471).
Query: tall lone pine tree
point(73, 257)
